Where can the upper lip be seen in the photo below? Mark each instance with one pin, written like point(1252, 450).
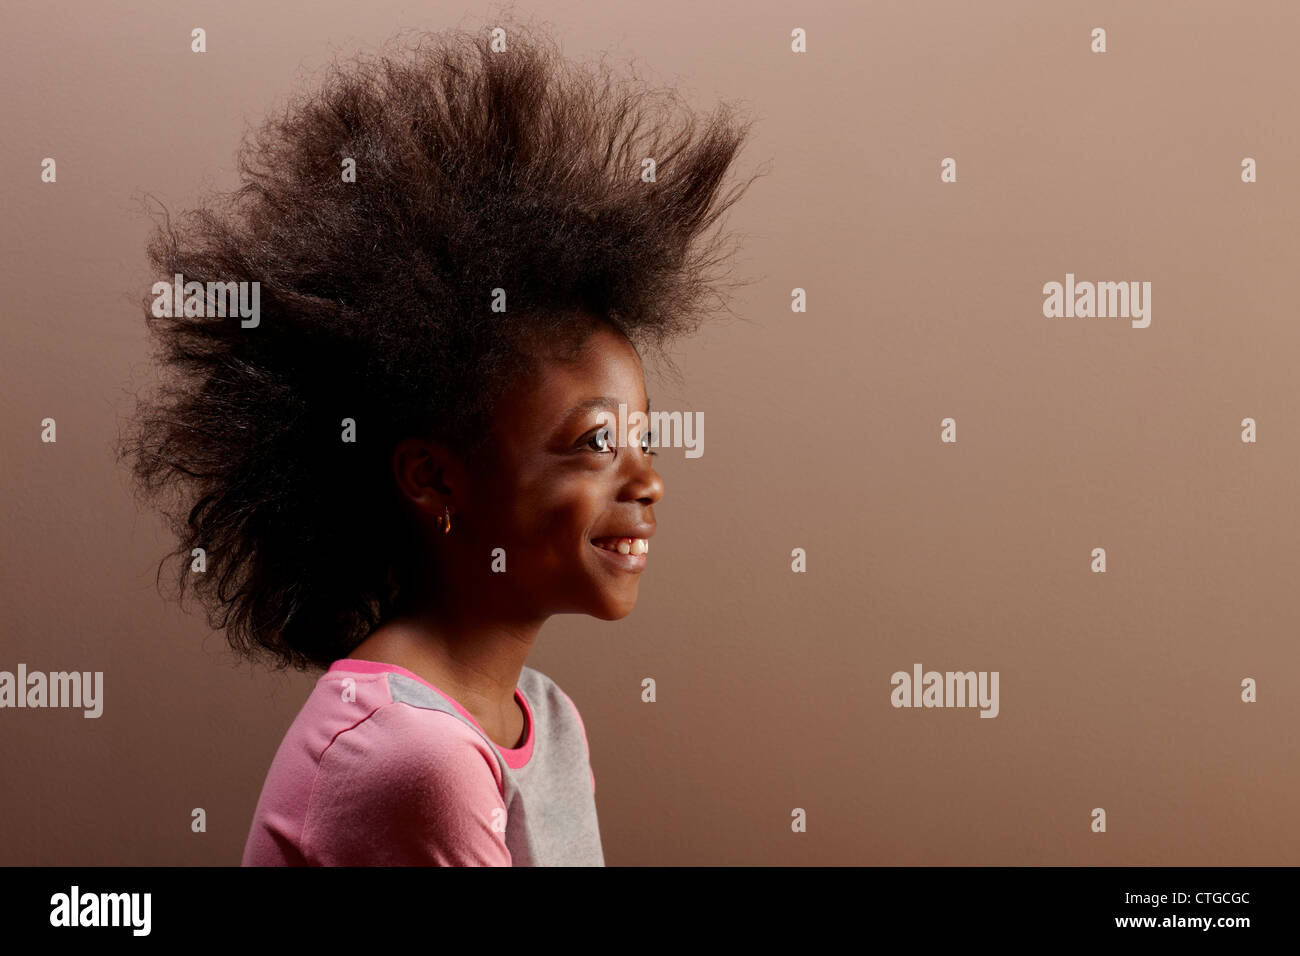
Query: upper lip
point(636, 531)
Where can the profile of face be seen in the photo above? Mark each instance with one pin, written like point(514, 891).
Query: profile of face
point(556, 493)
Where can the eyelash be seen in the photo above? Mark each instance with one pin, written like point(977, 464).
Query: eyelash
point(598, 432)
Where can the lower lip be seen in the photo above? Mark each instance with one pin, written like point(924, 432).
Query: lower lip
point(634, 563)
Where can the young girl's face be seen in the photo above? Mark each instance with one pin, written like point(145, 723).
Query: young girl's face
point(556, 482)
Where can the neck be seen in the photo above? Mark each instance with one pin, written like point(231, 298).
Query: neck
point(476, 660)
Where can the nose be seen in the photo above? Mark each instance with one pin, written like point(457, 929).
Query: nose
point(645, 484)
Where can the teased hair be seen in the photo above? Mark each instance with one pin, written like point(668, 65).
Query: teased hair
point(475, 170)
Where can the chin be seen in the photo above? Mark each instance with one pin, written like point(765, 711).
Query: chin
point(614, 608)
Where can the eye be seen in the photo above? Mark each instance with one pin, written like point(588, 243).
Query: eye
point(600, 440)
point(648, 439)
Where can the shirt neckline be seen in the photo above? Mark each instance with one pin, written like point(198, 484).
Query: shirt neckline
point(515, 757)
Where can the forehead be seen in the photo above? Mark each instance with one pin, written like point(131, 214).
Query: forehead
point(605, 365)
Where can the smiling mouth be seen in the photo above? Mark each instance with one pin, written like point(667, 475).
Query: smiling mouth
point(623, 554)
point(632, 546)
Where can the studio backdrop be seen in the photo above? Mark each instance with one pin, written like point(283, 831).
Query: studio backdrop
point(983, 548)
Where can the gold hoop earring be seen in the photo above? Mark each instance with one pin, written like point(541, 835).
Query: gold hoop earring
point(444, 520)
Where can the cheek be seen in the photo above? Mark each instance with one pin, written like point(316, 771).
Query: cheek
point(550, 522)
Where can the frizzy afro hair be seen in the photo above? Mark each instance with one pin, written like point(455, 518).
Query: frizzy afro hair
point(475, 170)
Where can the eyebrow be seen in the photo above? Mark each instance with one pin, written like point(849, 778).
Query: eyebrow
point(603, 401)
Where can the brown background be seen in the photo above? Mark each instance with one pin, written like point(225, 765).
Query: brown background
point(822, 431)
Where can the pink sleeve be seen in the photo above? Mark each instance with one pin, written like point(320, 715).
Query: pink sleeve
point(584, 737)
point(406, 787)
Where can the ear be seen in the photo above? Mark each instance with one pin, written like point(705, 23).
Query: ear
point(429, 476)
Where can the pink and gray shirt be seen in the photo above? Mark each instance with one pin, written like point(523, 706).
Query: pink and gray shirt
point(380, 768)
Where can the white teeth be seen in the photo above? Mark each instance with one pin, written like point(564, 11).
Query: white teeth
point(628, 546)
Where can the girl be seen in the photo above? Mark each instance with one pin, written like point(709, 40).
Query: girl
point(404, 467)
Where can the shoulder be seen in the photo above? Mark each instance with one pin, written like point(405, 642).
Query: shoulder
point(389, 715)
point(405, 784)
point(399, 744)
